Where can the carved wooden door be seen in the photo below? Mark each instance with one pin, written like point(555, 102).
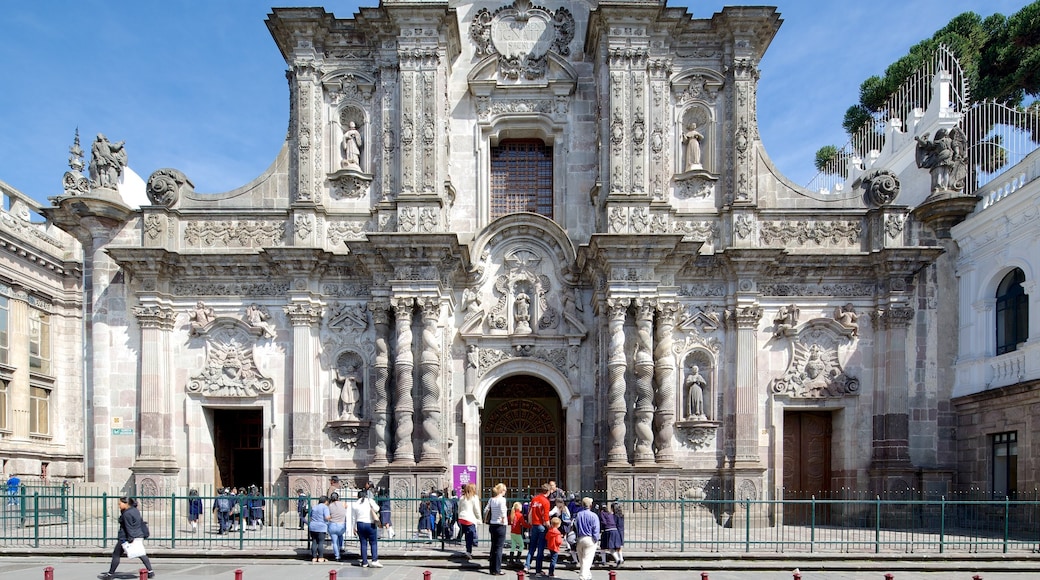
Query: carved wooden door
point(521, 447)
point(807, 464)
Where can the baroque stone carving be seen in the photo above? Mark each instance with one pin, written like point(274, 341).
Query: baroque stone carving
point(945, 157)
point(815, 372)
point(233, 233)
point(522, 34)
point(696, 435)
point(349, 184)
point(166, 185)
point(880, 186)
point(74, 182)
point(818, 232)
point(698, 186)
point(107, 161)
point(230, 370)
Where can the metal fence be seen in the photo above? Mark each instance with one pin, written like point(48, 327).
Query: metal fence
point(62, 518)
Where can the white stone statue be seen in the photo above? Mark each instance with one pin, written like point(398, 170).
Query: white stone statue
point(695, 387)
point(522, 313)
point(107, 161)
point(848, 317)
point(692, 137)
point(201, 316)
point(348, 377)
point(352, 147)
point(257, 316)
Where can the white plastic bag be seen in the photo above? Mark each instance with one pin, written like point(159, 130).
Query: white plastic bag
point(134, 549)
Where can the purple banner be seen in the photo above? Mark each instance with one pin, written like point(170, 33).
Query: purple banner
point(461, 475)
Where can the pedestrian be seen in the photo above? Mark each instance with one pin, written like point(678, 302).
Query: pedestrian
point(337, 524)
point(301, 507)
point(619, 517)
point(427, 517)
point(495, 514)
point(517, 525)
point(538, 517)
point(586, 530)
point(610, 539)
point(469, 515)
point(132, 529)
point(384, 513)
point(553, 541)
point(561, 511)
point(194, 509)
point(318, 526)
point(222, 507)
point(335, 486)
point(365, 513)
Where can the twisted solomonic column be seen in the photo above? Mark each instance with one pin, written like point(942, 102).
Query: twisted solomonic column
point(616, 365)
point(664, 379)
point(429, 383)
point(644, 383)
point(381, 377)
point(403, 405)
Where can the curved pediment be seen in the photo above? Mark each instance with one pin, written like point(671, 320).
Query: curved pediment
point(493, 73)
point(530, 228)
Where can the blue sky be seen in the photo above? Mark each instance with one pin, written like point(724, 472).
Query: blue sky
point(198, 85)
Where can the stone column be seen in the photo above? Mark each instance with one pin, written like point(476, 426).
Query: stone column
point(617, 309)
point(305, 90)
point(305, 451)
point(380, 379)
point(644, 383)
point(403, 404)
point(664, 381)
point(429, 382)
point(748, 318)
point(891, 430)
point(155, 456)
point(745, 78)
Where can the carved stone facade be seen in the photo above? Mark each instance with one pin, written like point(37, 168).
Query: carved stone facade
point(367, 301)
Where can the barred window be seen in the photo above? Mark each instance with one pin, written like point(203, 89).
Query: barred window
point(1012, 312)
point(39, 411)
point(521, 178)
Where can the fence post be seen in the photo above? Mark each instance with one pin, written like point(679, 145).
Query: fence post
point(1007, 521)
point(877, 524)
point(104, 517)
point(942, 524)
point(747, 524)
point(812, 523)
point(48, 573)
point(36, 519)
point(682, 524)
point(173, 520)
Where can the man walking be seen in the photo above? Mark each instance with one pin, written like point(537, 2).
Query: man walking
point(538, 516)
point(586, 529)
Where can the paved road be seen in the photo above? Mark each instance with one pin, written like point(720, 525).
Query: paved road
point(30, 567)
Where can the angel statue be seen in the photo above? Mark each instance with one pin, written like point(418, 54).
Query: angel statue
point(945, 157)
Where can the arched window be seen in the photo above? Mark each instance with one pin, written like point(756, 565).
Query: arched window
point(521, 178)
point(1012, 312)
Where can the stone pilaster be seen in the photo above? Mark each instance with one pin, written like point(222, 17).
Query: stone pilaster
point(404, 407)
point(644, 383)
point(380, 380)
point(745, 79)
point(305, 451)
point(617, 310)
point(429, 383)
point(664, 382)
point(746, 366)
point(891, 429)
point(305, 119)
point(155, 430)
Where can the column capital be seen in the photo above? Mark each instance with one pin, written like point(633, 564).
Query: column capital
point(303, 314)
point(893, 317)
point(155, 316)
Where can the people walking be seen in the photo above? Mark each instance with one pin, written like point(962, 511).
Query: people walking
point(553, 541)
point(538, 517)
point(387, 524)
point(338, 514)
point(222, 507)
point(619, 517)
point(132, 530)
point(517, 524)
point(610, 539)
point(469, 516)
point(194, 509)
point(498, 526)
point(318, 526)
point(365, 514)
point(586, 530)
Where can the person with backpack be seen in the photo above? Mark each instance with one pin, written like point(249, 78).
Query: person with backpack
point(194, 509)
point(131, 527)
point(222, 507)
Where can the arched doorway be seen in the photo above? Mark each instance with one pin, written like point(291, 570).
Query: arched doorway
point(522, 441)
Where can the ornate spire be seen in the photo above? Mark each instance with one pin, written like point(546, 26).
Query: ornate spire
point(76, 155)
point(74, 182)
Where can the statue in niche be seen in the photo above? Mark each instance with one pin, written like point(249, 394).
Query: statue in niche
point(695, 387)
point(351, 147)
point(348, 379)
point(107, 161)
point(472, 356)
point(848, 317)
point(692, 137)
point(522, 313)
point(201, 316)
point(945, 157)
point(257, 316)
point(786, 318)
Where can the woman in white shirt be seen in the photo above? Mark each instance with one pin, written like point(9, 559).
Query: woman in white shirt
point(469, 516)
point(365, 513)
point(496, 515)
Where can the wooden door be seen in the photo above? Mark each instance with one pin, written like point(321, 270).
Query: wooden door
point(521, 447)
point(807, 464)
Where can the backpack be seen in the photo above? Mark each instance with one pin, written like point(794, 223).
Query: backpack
point(223, 504)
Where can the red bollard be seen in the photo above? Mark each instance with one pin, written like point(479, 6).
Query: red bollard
point(332, 575)
point(704, 576)
point(238, 574)
point(889, 576)
point(613, 575)
point(519, 575)
point(48, 573)
point(796, 574)
point(976, 577)
point(142, 574)
point(426, 575)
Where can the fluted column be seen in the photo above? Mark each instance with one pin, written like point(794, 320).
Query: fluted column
point(404, 407)
point(616, 364)
point(747, 392)
point(429, 382)
point(155, 424)
point(664, 380)
point(644, 383)
point(380, 379)
point(306, 421)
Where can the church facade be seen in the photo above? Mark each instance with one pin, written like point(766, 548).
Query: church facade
point(542, 240)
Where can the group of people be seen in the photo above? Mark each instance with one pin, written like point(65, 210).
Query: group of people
point(235, 508)
point(340, 518)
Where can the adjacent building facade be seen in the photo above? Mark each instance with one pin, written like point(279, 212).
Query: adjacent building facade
point(542, 240)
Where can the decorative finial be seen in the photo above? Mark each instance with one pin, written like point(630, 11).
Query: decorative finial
point(74, 182)
point(76, 155)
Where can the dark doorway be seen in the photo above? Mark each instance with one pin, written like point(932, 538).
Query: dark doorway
point(522, 436)
point(807, 465)
point(238, 447)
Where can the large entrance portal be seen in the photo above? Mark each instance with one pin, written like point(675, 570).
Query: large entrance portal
point(522, 444)
point(238, 447)
point(807, 464)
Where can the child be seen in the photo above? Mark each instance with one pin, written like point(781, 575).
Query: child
point(553, 541)
point(517, 523)
point(194, 509)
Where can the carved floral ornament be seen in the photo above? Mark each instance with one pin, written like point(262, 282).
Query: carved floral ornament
point(522, 34)
point(815, 371)
point(230, 369)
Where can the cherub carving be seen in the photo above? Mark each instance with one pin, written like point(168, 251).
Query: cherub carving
point(201, 316)
point(257, 316)
point(848, 317)
point(786, 318)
